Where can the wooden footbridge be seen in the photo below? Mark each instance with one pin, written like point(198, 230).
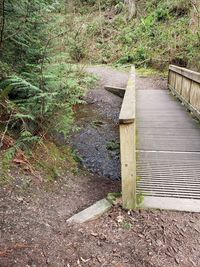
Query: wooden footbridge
point(160, 143)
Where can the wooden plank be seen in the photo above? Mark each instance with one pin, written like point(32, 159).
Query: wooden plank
point(127, 144)
point(128, 165)
point(195, 96)
point(186, 88)
point(115, 90)
point(178, 83)
point(127, 114)
point(172, 78)
point(188, 105)
point(192, 75)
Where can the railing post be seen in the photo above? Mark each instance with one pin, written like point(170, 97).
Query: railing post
point(128, 144)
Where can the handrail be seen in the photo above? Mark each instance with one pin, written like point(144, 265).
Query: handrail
point(192, 75)
point(127, 127)
point(127, 114)
point(185, 84)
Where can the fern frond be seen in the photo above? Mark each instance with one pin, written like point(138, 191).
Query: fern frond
point(17, 88)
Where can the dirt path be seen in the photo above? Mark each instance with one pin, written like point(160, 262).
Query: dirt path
point(33, 228)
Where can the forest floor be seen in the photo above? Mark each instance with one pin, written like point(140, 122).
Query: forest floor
point(33, 227)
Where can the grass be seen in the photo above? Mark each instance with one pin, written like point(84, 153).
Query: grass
point(160, 34)
point(150, 72)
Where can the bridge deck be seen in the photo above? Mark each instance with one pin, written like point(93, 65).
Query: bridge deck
point(168, 161)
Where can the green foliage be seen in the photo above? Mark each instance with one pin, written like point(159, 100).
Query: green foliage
point(17, 88)
point(38, 89)
point(22, 40)
point(32, 107)
point(161, 34)
point(75, 156)
point(77, 51)
point(5, 70)
point(113, 145)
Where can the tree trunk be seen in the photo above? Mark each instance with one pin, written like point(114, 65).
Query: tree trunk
point(132, 9)
point(2, 20)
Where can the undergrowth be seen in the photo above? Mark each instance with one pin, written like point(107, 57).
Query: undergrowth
point(164, 32)
point(37, 97)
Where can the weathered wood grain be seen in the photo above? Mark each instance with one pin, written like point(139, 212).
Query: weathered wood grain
point(127, 114)
point(128, 144)
point(186, 86)
point(192, 75)
point(128, 165)
point(178, 82)
point(172, 78)
point(195, 95)
point(115, 90)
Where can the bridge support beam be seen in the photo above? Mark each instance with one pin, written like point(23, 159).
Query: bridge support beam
point(115, 90)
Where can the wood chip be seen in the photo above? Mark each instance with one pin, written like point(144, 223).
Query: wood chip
point(177, 260)
point(83, 260)
point(196, 229)
point(94, 234)
point(99, 259)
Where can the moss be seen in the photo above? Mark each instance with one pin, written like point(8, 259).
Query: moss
point(112, 197)
point(139, 198)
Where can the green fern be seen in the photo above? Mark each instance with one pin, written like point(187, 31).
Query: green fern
point(17, 88)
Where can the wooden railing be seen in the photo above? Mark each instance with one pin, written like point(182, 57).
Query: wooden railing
point(185, 84)
point(127, 122)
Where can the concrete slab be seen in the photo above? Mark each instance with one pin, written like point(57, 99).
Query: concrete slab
point(166, 203)
point(91, 213)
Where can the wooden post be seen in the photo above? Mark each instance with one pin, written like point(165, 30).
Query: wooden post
point(128, 165)
point(128, 145)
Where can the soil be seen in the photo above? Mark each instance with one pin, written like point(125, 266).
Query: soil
point(33, 227)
